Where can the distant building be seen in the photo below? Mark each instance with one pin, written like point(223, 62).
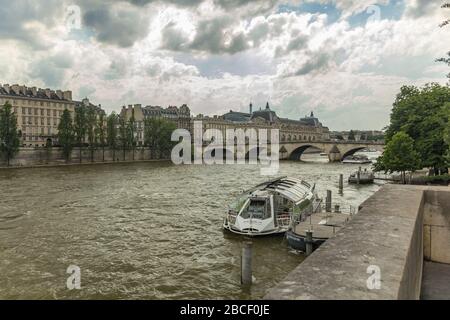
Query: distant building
point(38, 111)
point(305, 129)
point(360, 135)
point(180, 116)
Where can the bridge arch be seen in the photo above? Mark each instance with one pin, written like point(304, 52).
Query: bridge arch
point(258, 151)
point(352, 152)
point(297, 153)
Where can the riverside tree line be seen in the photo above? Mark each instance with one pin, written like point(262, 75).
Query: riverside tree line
point(419, 133)
point(91, 130)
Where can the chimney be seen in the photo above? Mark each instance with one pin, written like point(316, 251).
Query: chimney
point(251, 108)
point(48, 93)
point(6, 87)
point(15, 88)
point(59, 93)
point(33, 91)
point(23, 90)
point(67, 95)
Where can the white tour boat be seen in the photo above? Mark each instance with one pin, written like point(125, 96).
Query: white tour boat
point(357, 159)
point(268, 208)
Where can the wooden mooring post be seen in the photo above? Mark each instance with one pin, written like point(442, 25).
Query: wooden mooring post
point(341, 183)
point(328, 201)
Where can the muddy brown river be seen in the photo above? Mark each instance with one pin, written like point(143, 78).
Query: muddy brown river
point(141, 231)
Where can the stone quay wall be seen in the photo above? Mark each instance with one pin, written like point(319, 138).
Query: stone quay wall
point(394, 231)
point(30, 157)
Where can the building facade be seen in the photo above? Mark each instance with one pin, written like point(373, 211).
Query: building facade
point(180, 116)
point(39, 111)
point(305, 129)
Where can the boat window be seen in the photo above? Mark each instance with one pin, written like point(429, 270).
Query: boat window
point(257, 209)
point(236, 206)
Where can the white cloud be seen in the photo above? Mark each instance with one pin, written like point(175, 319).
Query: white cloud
point(300, 60)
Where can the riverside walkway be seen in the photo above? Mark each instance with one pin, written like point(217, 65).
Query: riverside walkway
point(396, 247)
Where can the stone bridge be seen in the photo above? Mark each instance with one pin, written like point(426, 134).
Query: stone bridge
point(336, 150)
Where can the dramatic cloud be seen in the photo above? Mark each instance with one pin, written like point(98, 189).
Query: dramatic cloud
point(338, 58)
point(121, 25)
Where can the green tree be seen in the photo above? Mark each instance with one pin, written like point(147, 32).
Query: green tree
point(351, 136)
point(447, 21)
point(157, 135)
point(111, 137)
point(444, 23)
point(80, 127)
point(131, 133)
point(66, 134)
point(101, 133)
point(399, 156)
point(91, 128)
point(164, 139)
point(420, 112)
point(123, 136)
point(447, 133)
point(151, 131)
point(9, 136)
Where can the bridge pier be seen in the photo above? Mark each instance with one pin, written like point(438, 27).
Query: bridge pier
point(334, 155)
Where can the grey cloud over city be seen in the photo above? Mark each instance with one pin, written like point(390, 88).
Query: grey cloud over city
point(331, 57)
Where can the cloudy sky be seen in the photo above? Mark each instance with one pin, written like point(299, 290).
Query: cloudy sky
point(344, 60)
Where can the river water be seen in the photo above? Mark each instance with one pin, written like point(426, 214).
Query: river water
point(142, 230)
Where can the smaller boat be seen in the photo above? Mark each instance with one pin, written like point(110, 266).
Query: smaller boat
point(323, 226)
point(357, 159)
point(361, 177)
point(323, 154)
point(268, 208)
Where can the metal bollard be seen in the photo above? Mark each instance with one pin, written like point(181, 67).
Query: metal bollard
point(341, 183)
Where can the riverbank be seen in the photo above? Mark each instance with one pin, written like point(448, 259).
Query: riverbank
point(72, 164)
point(53, 157)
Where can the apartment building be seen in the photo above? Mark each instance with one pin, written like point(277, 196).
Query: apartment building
point(39, 111)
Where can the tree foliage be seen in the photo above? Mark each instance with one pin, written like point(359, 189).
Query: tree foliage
point(91, 128)
point(131, 133)
point(9, 136)
point(101, 132)
point(66, 134)
point(420, 113)
point(157, 135)
point(399, 155)
point(123, 136)
point(447, 132)
point(111, 132)
point(351, 136)
point(80, 127)
point(444, 23)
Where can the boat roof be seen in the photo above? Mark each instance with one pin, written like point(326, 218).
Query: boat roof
point(293, 189)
